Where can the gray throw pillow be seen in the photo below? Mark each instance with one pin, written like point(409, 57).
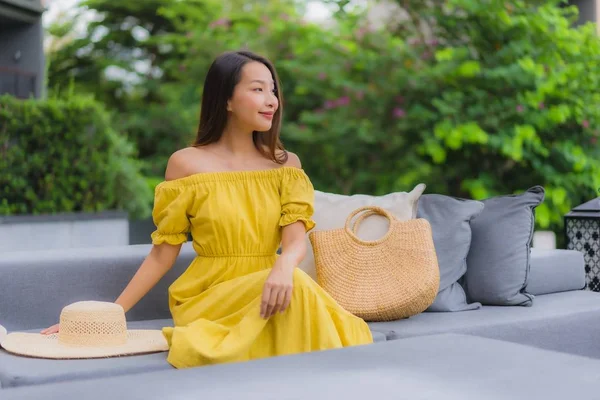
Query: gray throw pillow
point(450, 219)
point(498, 260)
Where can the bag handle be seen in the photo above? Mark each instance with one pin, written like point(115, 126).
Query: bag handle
point(371, 210)
point(361, 218)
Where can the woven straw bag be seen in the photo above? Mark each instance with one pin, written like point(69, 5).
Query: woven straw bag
point(393, 277)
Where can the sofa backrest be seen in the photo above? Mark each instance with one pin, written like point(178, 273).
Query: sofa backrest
point(35, 286)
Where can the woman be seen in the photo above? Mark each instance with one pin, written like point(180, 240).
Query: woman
point(241, 195)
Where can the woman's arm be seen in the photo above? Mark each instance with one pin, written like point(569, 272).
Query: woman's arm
point(160, 260)
point(293, 244)
point(277, 292)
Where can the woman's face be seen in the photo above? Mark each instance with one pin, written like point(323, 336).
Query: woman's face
point(254, 103)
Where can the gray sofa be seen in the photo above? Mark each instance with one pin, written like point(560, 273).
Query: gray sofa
point(423, 353)
point(448, 367)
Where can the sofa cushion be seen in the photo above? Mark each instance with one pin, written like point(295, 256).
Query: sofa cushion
point(498, 260)
point(577, 333)
point(449, 367)
point(24, 371)
point(450, 220)
point(554, 271)
point(332, 210)
point(546, 308)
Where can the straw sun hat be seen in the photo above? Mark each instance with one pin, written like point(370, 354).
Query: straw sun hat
point(88, 329)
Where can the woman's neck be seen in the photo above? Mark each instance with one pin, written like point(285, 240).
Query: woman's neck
point(237, 141)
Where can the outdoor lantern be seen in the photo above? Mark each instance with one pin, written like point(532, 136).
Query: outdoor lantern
point(582, 231)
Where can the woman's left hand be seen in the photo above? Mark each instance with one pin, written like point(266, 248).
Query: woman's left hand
point(277, 291)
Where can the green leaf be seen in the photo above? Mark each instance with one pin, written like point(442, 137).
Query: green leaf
point(525, 132)
point(476, 188)
point(542, 215)
point(558, 195)
point(527, 64)
point(445, 54)
point(473, 133)
point(442, 129)
point(504, 17)
point(579, 159)
point(454, 139)
point(437, 152)
point(559, 114)
point(301, 90)
point(516, 151)
point(469, 69)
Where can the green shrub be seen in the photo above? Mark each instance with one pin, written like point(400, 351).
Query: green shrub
point(62, 155)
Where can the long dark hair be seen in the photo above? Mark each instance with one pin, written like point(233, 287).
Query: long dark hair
point(224, 73)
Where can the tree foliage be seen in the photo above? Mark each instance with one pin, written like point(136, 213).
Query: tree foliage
point(473, 98)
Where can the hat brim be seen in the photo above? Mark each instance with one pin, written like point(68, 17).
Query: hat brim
point(47, 346)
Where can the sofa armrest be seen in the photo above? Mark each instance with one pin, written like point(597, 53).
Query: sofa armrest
point(553, 271)
point(35, 286)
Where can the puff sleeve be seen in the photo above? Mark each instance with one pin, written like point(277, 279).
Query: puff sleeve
point(297, 199)
point(170, 215)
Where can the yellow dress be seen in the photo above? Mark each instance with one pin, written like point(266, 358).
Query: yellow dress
point(235, 220)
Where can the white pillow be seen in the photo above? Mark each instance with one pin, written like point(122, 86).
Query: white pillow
point(332, 210)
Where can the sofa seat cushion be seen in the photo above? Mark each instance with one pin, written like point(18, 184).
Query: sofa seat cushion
point(24, 371)
point(577, 333)
point(545, 308)
point(378, 336)
point(449, 367)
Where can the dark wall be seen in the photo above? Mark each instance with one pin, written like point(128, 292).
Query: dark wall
point(587, 10)
point(21, 58)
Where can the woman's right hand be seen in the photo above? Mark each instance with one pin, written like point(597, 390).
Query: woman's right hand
point(50, 330)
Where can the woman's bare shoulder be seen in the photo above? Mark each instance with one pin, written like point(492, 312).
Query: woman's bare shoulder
point(183, 162)
point(293, 160)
